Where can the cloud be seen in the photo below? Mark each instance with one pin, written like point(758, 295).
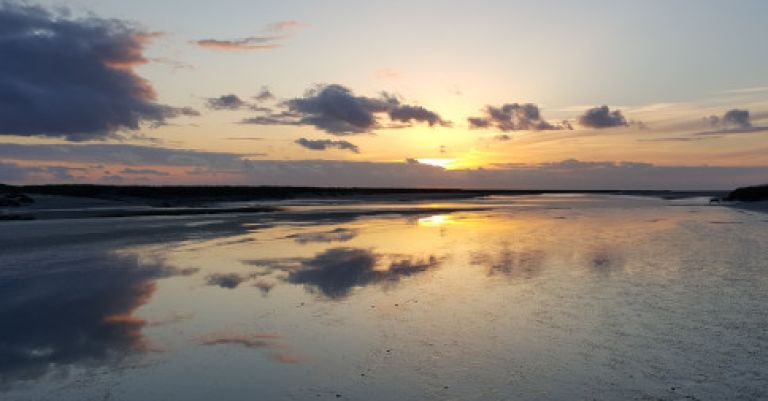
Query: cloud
point(89, 322)
point(603, 117)
point(249, 43)
point(566, 174)
point(144, 171)
point(324, 144)
point(734, 121)
point(407, 114)
point(284, 25)
point(737, 118)
point(14, 172)
point(335, 235)
point(73, 78)
point(119, 153)
point(234, 102)
point(27, 164)
point(226, 102)
point(228, 280)
point(274, 33)
point(264, 95)
point(174, 64)
point(335, 272)
point(388, 73)
point(513, 264)
point(513, 117)
point(337, 110)
point(279, 352)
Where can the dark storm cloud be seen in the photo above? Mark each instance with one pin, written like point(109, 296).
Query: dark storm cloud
point(324, 144)
point(337, 110)
point(72, 78)
point(225, 102)
point(603, 117)
point(78, 313)
point(513, 117)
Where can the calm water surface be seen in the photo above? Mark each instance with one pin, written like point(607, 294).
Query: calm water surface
point(529, 298)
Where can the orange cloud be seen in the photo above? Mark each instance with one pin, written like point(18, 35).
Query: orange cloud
point(250, 43)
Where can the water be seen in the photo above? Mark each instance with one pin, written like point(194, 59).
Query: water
point(526, 298)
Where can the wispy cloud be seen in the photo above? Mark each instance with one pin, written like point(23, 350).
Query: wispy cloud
point(272, 37)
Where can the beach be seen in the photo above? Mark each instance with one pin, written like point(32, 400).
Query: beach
point(556, 296)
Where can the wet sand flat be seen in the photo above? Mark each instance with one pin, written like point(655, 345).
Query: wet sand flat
point(553, 297)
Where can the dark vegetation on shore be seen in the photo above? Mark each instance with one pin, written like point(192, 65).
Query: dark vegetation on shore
point(176, 195)
point(749, 194)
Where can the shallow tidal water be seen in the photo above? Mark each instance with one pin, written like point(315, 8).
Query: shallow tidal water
point(523, 298)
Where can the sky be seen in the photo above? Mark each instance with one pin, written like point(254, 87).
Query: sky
point(492, 94)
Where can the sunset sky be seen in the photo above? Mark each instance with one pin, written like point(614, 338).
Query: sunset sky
point(492, 94)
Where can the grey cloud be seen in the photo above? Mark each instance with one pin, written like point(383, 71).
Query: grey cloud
point(603, 117)
point(337, 271)
point(226, 102)
point(112, 179)
point(513, 117)
point(119, 153)
point(513, 264)
point(336, 110)
point(738, 118)
point(89, 322)
point(567, 174)
point(144, 171)
point(324, 144)
point(734, 121)
point(226, 280)
point(73, 78)
point(335, 235)
point(13, 172)
point(407, 114)
point(264, 95)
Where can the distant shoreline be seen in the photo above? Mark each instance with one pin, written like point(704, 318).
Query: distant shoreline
point(55, 202)
point(180, 195)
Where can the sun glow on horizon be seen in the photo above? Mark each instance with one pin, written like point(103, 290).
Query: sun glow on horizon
point(443, 163)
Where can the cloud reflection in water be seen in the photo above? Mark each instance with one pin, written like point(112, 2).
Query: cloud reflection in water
point(67, 313)
point(335, 272)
